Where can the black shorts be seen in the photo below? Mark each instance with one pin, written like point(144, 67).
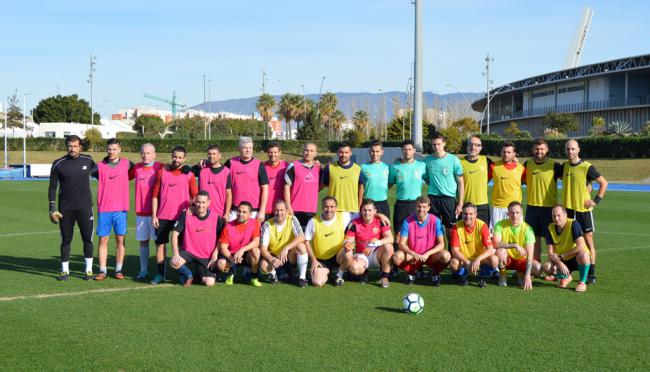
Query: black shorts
point(585, 219)
point(163, 230)
point(200, 265)
point(444, 207)
point(244, 261)
point(402, 209)
point(571, 264)
point(482, 213)
point(329, 263)
point(539, 218)
point(303, 218)
point(383, 207)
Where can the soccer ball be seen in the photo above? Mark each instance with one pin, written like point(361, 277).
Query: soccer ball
point(412, 303)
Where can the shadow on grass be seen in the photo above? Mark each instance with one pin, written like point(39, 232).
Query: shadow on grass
point(390, 309)
point(51, 266)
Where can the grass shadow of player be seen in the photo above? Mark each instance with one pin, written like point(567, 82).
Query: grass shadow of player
point(389, 309)
point(49, 266)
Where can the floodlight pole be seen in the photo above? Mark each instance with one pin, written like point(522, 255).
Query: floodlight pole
point(209, 109)
point(25, 135)
point(416, 134)
point(5, 133)
point(488, 59)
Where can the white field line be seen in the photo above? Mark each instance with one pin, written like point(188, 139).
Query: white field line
point(81, 293)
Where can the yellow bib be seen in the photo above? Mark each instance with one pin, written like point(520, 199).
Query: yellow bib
point(507, 184)
point(476, 180)
point(279, 239)
point(574, 186)
point(563, 242)
point(541, 184)
point(471, 244)
point(508, 236)
point(344, 186)
point(327, 240)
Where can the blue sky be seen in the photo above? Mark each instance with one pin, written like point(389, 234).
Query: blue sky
point(359, 45)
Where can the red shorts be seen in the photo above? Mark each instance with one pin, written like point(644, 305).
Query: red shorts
point(518, 265)
point(414, 265)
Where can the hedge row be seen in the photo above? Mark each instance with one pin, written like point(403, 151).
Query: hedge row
point(590, 147)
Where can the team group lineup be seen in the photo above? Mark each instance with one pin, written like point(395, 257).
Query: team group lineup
point(263, 215)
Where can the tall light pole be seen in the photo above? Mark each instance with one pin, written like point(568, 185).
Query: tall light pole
point(25, 134)
point(304, 105)
point(488, 59)
point(91, 80)
point(210, 109)
point(5, 133)
point(416, 134)
point(320, 91)
point(205, 125)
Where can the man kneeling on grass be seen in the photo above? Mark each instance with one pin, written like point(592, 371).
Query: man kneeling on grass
point(373, 240)
point(283, 246)
point(422, 242)
point(239, 245)
point(514, 241)
point(198, 231)
point(567, 250)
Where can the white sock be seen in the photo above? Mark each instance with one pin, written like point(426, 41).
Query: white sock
point(339, 273)
point(65, 267)
point(103, 269)
point(302, 260)
point(273, 272)
point(144, 257)
point(89, 264)
point(118, 267)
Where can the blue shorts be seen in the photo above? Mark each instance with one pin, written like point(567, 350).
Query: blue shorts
point(111, 220)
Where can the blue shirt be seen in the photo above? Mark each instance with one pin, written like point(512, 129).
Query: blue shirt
point(442, 173)
point(404, 231)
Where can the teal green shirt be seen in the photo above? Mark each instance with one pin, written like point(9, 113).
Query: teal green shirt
point(408, 177)
point(442, 173)
point(374, 177)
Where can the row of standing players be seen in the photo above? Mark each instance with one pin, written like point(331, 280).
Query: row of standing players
point(249, 182)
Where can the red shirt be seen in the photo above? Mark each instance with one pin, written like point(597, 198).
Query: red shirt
point(194, 189)
point(485, 235)
point(509, 166)
point(364, 233)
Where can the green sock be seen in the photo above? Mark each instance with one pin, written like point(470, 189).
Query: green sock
point(584, 271)
point(562, 276)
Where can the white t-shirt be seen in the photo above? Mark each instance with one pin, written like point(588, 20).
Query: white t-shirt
point(347, 217)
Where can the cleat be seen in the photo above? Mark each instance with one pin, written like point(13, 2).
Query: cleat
point(158, 279)
point(550, 278)
point(302, 283)
point(101, 276)
point(564, 282)
point(481, 283)
point(363, 279)
point(436, 279)
point(63, 276)
point(119, 275)
point(339, 282)
point(503, 280)
point(188, 282)
point(88, 275)
point(518, 279)
point(582, 287)
point(255, 282)
point(463, 281)
point(272, 279)
point(230, 279)
point(383, 282)
point(591, 279)
point(142, 275)
point(410, 279)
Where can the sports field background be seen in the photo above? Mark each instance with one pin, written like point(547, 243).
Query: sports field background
point(115, 325)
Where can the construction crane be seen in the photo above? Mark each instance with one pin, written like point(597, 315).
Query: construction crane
point(172, 102)
point(578, 42)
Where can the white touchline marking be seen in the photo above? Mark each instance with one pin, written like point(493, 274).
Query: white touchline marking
point(67, 294)
point(621, 233)
point(41, 232)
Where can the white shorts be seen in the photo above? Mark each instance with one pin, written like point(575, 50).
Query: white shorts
point(233, 215)
point(371, 261)
point(497, 214)
point(143, 229)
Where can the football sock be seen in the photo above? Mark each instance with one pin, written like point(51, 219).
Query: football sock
point(184, 270)
point(437, 268)
point(89, 264)
point(584, 271)
point(118, 267)
point(144, 257)
point(339, 273)
point(562, 276)
point(383, 274)
point(273, 272)
point(102, 269)
point(161, 268)
point(65, 267)
point(302, 260)
point(592, 270)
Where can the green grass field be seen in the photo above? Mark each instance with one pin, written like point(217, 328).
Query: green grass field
point(126, 325)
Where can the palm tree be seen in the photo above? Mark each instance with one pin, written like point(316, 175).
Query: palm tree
point(336, 120)
point(288, 111)
point(327, 106)
point(265, 105)
point(361, 121)
point(305, 107)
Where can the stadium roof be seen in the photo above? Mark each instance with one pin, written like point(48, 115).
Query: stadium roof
point(576, 73)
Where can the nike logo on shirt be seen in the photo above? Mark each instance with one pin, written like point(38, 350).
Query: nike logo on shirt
point(342, 177)
point(199, 229)
point(473, 171)
point(504, 178)
point(111, 177)
point(241, 172)
point(330, 234)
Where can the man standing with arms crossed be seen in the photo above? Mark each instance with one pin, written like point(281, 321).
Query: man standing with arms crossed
point(302, 181)
point(342, 180)
point(408, 175)
point(477, 173)
point(113, 201)
point(577, 175)
point(446, 182)
point(374, 178)
point(541, 183)
point(145, 179)
point(70, 174)
point(250, 182)
point(172, 194)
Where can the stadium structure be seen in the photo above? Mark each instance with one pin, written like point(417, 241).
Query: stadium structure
point(617, 90)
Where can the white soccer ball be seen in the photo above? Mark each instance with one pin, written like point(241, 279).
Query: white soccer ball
point(412, 303)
